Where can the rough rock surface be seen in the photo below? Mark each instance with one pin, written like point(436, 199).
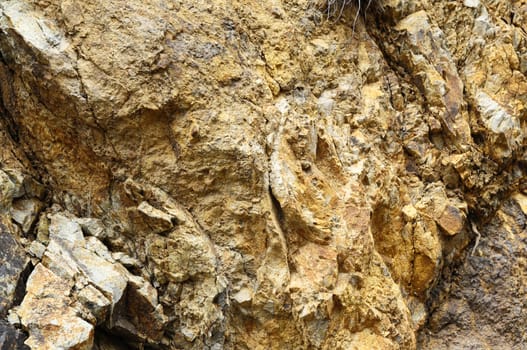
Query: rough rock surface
point(13, 262)
point(251, 175)
point(11, 338)
point(79, 283)
point(485, 303)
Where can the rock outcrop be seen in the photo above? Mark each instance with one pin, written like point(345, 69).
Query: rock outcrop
point(484, 301)
point(253, 175)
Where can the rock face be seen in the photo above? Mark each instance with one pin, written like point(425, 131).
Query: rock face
point(11, 338)
point(485, 300)
point(251, 175)
point(13, 262)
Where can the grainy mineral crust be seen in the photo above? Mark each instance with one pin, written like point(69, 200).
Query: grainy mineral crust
point(249, 174)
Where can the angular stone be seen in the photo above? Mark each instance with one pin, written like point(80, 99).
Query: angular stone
point(243, 296)
point(97, 247)
point(60, 261)
point(37, 249)
point(13, 263)
point(17, 178)
point(43, 229)
point(95, 302)
point(451, 220)
point(64, 229)
point(46, 314)
point(143, 316)
point(25, 211)
point(471, 3)
point(108, 277)
point(92, 227)
point(157, 220)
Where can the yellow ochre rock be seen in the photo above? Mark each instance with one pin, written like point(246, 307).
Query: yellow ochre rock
point(263, 174)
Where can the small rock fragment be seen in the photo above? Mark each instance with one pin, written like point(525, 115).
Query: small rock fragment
point(471, 3)
point(409, 212)
point(25, 211)
point(451, 220)
point(92, 227)
point(95, 302)
point(143, 310)
point(43, 229)
point(243, 296)
point(17, 179)
point(37, 249)
point(157, 220)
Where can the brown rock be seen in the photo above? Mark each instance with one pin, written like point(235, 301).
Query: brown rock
point(452, 220)
point(156, 220)
point(253, 176)
point(488, 290)
point(141, 315)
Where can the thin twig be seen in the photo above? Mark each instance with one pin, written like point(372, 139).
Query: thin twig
point(357, 15)
point(478, 237)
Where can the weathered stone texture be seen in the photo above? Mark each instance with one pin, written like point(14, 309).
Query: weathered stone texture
point(13, 262)
point(485, 301)
point(250, 175)
point(11, 338)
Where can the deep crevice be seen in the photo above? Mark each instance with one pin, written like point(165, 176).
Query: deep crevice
point(277, 208)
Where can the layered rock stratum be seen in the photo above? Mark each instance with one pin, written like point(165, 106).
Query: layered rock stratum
point(263, 174)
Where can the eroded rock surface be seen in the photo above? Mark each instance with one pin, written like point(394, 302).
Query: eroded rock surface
point(484, 302)
point(11, 338)
point(250, 175)
point(13, 263)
